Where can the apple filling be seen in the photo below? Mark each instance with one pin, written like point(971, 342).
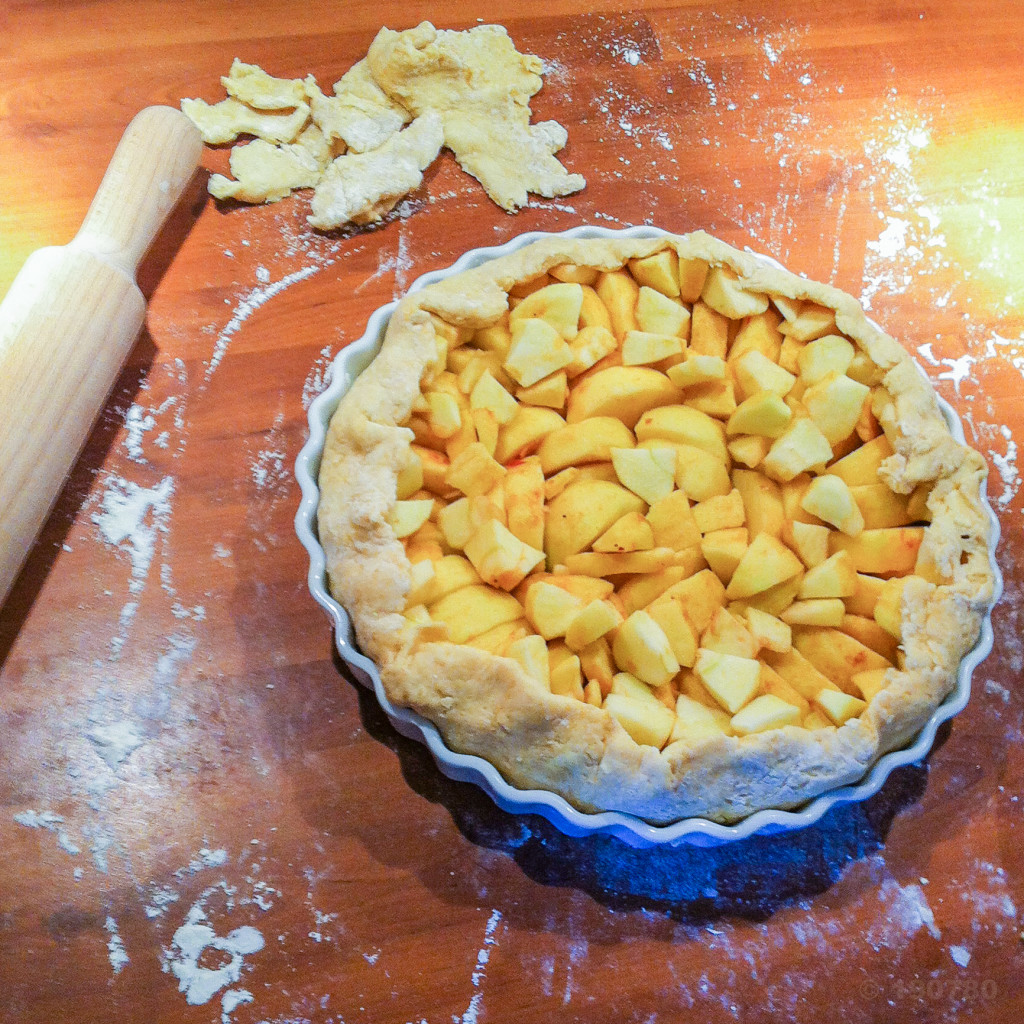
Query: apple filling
point(659, 493)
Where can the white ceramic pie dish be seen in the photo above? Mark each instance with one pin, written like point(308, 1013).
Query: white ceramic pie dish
point(472, 768)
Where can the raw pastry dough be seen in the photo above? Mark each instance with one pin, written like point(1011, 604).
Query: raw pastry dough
point(250, 84)
point(359, 114)
point(491, 706)
point(225, 121)
point(481, 86)
point(474, 86)
point(362, 187)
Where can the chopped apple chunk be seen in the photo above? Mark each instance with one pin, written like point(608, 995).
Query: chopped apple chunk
point(499, 556)
point(731, 680)
point(649, 724)
point(724, 293)
point(641, 648)
point(558, 305)
point(764, 713)
point(537, 350)
point(840, 707)
point(647, 472)
point(765, 563)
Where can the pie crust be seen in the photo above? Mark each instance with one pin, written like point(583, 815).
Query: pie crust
point(489, 705)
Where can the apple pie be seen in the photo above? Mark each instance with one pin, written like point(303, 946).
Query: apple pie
point(655, 525)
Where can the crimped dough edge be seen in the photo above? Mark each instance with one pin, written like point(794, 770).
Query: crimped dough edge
point(487, 705)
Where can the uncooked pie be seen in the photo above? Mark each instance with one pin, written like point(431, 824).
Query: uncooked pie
point(654, 525)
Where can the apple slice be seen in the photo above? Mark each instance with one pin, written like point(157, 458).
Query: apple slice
point(487, 393)
point(566, 679)
point(576, 444)
point(649, 724)
point(641, 348)
point(724, 293)
point(524, 434)
point(406, 517)
point(647, 472)
point(709, 331)
point(819, 358)
point(550, 609)
point(722, 512)
point(473, 471)
point(764, 713)
point(837, 655)
point(558, 305)
point(581, 513)
point(591, 623)
point(764, 414)
point(537, 350)
point(840, 707)
point(625, 392)
point(888, 551)
point(499, 556)
point(802, 447)
point(590, 345)
point(767, 562)
point(731, 680)
point(659, 271)
point(697, 369)
point(470, 611)
point(630, 533)
point(861, 466)
point(756, 372)
point(759, 333)
point(532, 654)
point(658, 313)
point(619, 292)
point(834, 577)
point(641, 648)
point(673, 523)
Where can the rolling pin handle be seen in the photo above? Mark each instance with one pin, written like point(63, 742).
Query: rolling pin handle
point(153, 162)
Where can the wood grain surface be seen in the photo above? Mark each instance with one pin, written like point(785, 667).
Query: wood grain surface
point(203, 818)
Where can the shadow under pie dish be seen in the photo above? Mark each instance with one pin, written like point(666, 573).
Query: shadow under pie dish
point(680, 536)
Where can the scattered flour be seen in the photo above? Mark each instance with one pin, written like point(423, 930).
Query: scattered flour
point(131, 516)
point(114, 743)
point(319, 377)
point(961, 955)
point(907, 912)
point(115, 947)
point(480, 971)
point(51, 823)
point(191, 940)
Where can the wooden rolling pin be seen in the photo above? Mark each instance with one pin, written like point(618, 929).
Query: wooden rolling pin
point(70, 320)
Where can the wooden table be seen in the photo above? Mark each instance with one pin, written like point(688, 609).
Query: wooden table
point(202, 818)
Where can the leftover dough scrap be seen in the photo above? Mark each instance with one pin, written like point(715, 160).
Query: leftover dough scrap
point(360, 113)
point(481, 86)
point(362, 187)
point(250, 84)
point(471, 90)
point(264, 173)
point(225, 121)
point(510, 160)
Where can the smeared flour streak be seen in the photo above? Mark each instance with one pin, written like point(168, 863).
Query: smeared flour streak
point(480, 971)
point(248, 305)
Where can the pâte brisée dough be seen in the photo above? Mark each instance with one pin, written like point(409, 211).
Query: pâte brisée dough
point(488, 705)
point(481, 87)
point(474, 85)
